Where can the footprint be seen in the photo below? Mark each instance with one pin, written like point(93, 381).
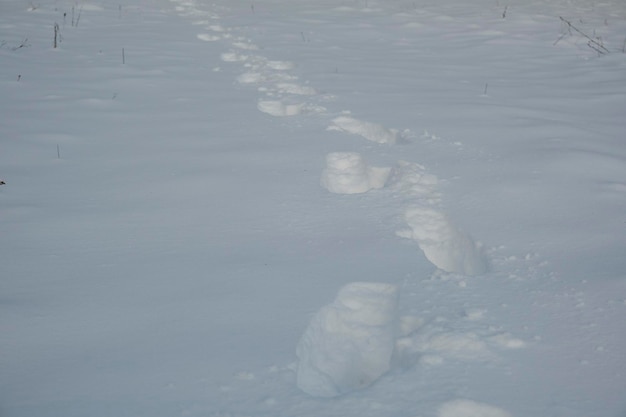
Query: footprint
point(370, 131)
point(207, 37)
point(233, 57)
point(245, 45)
point(280, 65)
point(279, 109)
point(469, 408)
point(290, 88)
point(412, 180)
point(347, 173)
point(444, 245)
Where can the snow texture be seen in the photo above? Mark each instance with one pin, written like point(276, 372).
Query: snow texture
point(349, 343)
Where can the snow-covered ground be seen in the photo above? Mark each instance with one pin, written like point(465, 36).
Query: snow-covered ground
point(313, 208)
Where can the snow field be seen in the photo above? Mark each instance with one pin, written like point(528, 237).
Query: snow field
point(169, 261)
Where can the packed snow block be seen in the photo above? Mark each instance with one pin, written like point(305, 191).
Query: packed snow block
point(469, 408)
point(347, 173)
point(447, 247)
point(370, 131)
point(349, 343)
point(279, 109)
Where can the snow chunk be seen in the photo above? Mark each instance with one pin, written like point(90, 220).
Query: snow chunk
point(207, 37)
point(245, 45)
point(280, 65)
point(250, 78)
point(291, 88)
point(233, 57)
point(279, 109)
point(347, 173)
point(349, 343)
point(448, 248)
point(468, 408)
point(370, 131)
point(505, 340)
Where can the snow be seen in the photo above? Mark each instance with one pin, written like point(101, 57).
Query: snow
point(349, 344)
point(185, 183)
point(448, 248)
point(347, 173)
point(467, 408)
point(370, 131)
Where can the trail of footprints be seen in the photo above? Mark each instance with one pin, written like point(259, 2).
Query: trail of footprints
point(283, 95)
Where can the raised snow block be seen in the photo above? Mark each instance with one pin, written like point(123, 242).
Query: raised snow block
point(443, 244)
point(347, 173)
point(349, 343)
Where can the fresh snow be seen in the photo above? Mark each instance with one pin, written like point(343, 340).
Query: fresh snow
point(313, 207)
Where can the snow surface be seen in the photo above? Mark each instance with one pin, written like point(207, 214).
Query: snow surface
point(166, 241)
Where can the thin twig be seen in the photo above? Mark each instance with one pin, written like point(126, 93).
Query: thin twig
point(80, 11)
point(56, 34)
point(597, 46)
point(24, 44)
point(559, 40)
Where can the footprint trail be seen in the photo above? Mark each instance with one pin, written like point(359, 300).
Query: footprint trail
point(414, 193)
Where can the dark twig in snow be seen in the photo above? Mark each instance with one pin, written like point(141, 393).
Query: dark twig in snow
point(24, 44)
point(593, 44)
point(56, 34)
point(558, 40)
point(80, 11)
